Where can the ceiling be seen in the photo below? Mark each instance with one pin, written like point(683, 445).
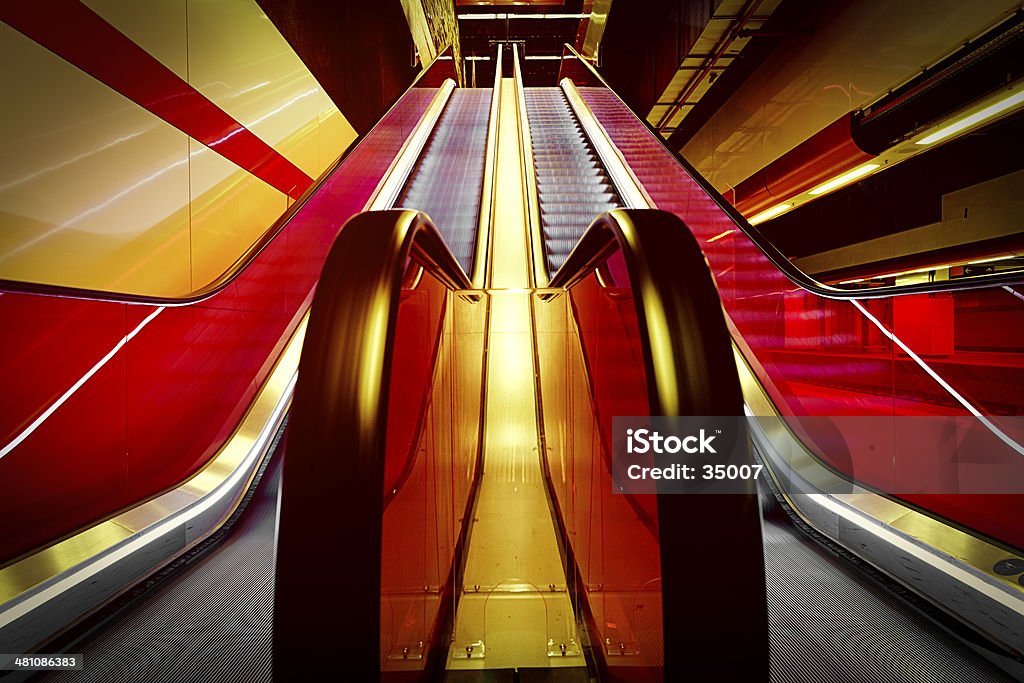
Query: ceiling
point(737, 84)
point(540, 28)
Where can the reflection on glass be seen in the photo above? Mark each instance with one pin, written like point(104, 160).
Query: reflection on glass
point(591, 368)
point(432, 449)
point(948, 354)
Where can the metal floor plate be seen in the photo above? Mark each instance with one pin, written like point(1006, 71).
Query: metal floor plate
point(212, 622)
point(830, 623)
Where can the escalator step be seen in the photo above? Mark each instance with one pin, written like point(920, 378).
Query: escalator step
point(572, 187)
point(448, 178)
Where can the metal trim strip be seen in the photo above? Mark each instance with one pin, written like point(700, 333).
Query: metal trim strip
point(539, 272)
point(481, 258)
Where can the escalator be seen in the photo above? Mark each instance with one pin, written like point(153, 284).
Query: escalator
point(571, 183)
point(593, 359)
point(448, 179)
point(455, 454)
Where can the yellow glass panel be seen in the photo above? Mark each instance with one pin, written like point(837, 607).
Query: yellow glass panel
point(93, 187)
point(239, 60)
point(231, 209)
point(157, 26)
point(336, 133)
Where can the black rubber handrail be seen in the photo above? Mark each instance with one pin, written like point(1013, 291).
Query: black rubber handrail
point(778, 259)
point(712, 557)
point(327, 585)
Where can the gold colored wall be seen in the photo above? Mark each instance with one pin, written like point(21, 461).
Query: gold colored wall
point(97, 192)
point(863, 51)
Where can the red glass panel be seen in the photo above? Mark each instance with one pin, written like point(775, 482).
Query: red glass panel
point(591, 367)
point(432, 448)
point(957, 352)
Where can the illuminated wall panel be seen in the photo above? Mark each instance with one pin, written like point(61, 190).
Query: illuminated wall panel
point(335, 132)
point(91, 184)
point(230, 209)
point(98, 192)
point(251, 73)
point(157, 26)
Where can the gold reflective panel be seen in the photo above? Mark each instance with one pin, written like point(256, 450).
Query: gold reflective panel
point(529, 179)
point(488, 197)
point(599, 11)
point(230, 209)
point(239, 60)
point(159, 28)
point(98, 193)
point(90, 183)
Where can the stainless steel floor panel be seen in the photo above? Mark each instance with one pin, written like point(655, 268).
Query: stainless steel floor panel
point(210, 622)
point(830, 623)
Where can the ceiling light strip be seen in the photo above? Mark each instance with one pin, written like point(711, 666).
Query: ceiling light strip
point(1011, 101)
point(768, 214)
point(508, 16)
point(844, 179)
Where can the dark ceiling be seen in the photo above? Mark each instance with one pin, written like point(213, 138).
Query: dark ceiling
point(541, 37)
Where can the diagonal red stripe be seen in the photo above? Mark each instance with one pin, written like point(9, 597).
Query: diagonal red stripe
point(76, 33)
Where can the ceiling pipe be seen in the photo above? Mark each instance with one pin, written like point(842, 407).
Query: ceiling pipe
point(884, 133)
point(825, 154)
point(733, 32)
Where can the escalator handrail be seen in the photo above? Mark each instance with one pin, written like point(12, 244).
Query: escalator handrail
point(667, 278)
point(333, 475)
point(539, 269)
point(690, 371)
point(394, 180)
point(488, 197)
point(239, 265)
point(778, 259)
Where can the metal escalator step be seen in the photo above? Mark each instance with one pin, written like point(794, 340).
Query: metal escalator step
point(570, 223)
point(572, 186)
point(448, 177)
